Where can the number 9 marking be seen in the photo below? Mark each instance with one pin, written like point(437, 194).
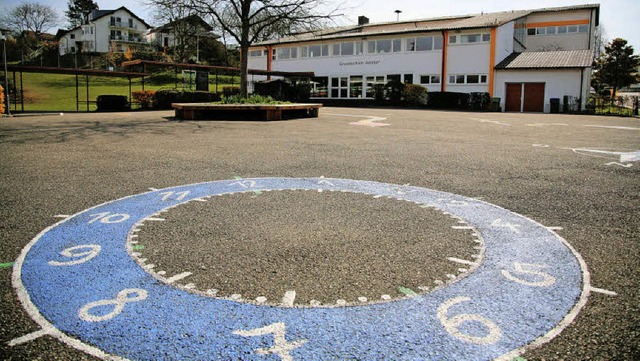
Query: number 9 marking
point(93, 251)
point(452, 324)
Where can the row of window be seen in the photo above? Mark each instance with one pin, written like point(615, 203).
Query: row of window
point(382, 46)
point(558, 30)
point(358, 86)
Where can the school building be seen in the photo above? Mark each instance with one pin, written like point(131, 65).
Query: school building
point(524, 57)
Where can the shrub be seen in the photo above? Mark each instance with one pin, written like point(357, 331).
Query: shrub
point(414, 94)
point(162, 99)
point(144, 97)
point(112, 103)
point(299, 93)
point(230, 90)
point(448, 100)
point(393, 90)
point(479, 101)
point(252, 99)
point(165, 77)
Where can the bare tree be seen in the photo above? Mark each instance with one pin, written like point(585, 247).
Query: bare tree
point(250, 21)
point(30, 16)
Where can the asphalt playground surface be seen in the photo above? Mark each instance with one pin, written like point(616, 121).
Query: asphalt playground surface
point(357, 211)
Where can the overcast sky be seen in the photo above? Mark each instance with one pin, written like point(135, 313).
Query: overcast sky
point(619, 17)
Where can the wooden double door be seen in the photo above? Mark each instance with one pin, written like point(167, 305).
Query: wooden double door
point(525, 97)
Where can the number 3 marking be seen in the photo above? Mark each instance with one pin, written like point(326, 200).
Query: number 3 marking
point(93, 250)
point(452, 324)
point(547, 279)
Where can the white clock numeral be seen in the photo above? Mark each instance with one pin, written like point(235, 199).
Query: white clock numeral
point(107, 217)
point(547, 279)
point(502, 224)
point(179, 195)
point(118, 305)
point(93, 250)
point(245, 183)
point(452, 324)
point(281, 347)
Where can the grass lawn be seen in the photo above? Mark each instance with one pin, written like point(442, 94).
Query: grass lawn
point(57, 92)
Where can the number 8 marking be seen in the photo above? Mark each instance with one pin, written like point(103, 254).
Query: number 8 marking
point(547, 281)
point(452, 324)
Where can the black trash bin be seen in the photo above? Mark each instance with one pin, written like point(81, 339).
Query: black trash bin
point(555, 105)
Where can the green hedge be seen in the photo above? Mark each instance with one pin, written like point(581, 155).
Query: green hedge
point(162, 99)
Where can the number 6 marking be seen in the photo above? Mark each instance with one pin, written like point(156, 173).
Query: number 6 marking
point(452, 324)
point(547, 280)
point(93, 251)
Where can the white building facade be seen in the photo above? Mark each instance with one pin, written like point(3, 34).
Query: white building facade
point(475, 53)
point(107, 30)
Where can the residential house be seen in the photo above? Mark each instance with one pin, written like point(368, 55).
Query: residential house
point(106, 30)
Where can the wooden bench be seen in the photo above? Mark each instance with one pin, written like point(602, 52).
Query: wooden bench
point(207, 111)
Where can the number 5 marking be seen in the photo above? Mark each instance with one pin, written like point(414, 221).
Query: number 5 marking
point(93, 251)
point(452, 324)
point(547, 279)
point(281, 347)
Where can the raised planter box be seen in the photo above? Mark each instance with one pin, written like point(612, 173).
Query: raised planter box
point(266, 112)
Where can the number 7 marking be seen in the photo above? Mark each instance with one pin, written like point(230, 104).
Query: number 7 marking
point(281, 347)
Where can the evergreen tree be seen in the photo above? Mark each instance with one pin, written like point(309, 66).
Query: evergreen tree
point(79, 11)
point(617, 67)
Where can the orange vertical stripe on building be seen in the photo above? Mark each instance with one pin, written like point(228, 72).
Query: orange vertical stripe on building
point(269, 59)
point(492, 61)
point(443, 77)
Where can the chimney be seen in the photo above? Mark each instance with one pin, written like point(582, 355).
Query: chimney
point(363, 20)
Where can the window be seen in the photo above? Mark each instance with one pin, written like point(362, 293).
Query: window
point(556, 30)
point(319, 87)
point(469, 38)
point(583, 28)
point(372, 83)
point(314, 51)
point(437, 42)
point(346, 49)
point(255, 53)
point(429, 79)
point(532, 31)
point(424, 43)
point(408, 78)
point(355, 88)
point(284, 53)
point(339, 87)
point(72, 36)
point(131, 23)
point(562, 29)
point(359, 47)
point(384, 46)
point(411, 44)
point(572, 29)
point(467, 79)
point(551, 30)
point(541, 31)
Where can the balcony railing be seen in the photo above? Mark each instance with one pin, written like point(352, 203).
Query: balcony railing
point(129, 39)
point(121, 24)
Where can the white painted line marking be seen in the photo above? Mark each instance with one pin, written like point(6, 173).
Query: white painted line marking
point(199, 200)
point(315, 303)
point(236, 296)
point(612, 127)
point(555, 228)
point(606, 292)
point(156, 219)
point(363, 299)
point(462, 261)
point(161, 273)
point(463, 270)
point(451, 276)
point(628, 165)
point(149, 266)
point(289, 298)
point(541, 145)
point(461, 227)
point(261, 300)
point(212, 292)
point(438, 282)
point(190, 286)
point(29, 337)
point(423, 288)
point(178, 277)
point(61, 216)
point(386, 297)
point(153, 189)
point(341, 302)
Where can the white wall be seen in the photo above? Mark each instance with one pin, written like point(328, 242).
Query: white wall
point(504, 41)
point(558, 83)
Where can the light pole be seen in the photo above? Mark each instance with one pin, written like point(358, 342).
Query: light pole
point(398, 14)
point(3, 37)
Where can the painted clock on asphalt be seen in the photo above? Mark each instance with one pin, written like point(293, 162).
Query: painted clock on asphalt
point(466, 280)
